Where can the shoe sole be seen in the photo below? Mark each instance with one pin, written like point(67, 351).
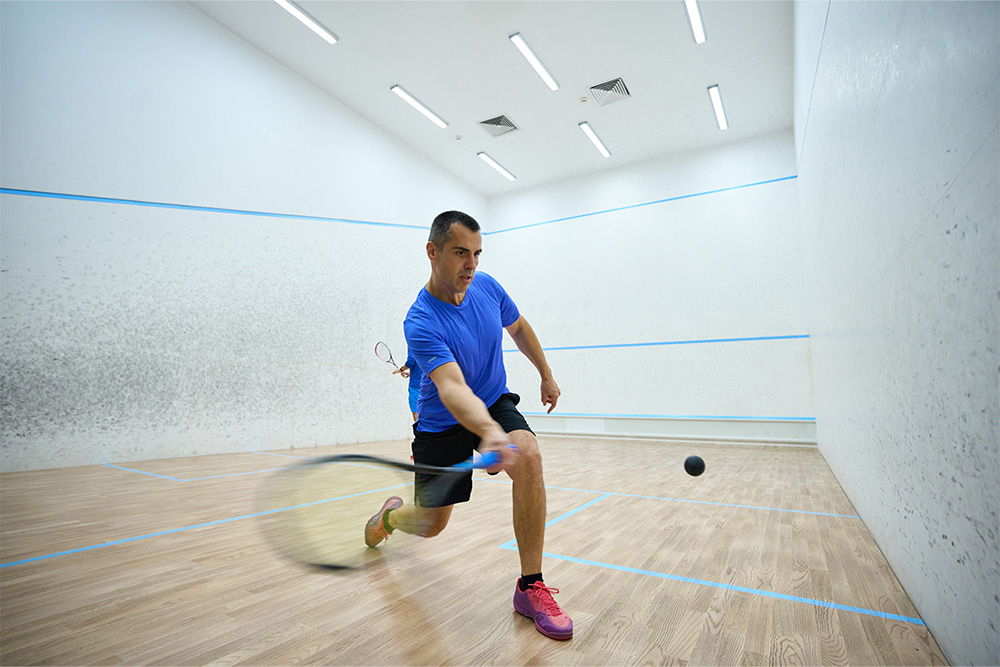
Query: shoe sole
point(552, 635)
point(372, 522)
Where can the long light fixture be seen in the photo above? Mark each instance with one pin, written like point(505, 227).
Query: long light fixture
point(496, 165)
point(309, 21)
point(720, 112)
point(533, 60)
point(694, 16)
point(585, 126)
point(416, 104)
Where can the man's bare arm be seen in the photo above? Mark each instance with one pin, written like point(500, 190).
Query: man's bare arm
point(468, 409)
point(527, 342)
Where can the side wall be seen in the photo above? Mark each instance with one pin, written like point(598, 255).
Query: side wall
point(668, 295)
point(899, 180)
point(241, 311)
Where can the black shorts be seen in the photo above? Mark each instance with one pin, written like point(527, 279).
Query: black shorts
point(456, 444)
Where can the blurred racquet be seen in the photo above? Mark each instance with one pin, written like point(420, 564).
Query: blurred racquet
point(382, 352)
point(315, 512)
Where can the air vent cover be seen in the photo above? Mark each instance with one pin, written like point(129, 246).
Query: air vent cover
point(497, 126)
point(610, 92)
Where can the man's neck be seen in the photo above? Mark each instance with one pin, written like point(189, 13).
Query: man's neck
point(445, 293)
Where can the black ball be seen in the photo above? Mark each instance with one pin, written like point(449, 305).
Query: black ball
point(694, 465)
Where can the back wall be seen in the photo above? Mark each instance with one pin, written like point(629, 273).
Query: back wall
point(669, 296)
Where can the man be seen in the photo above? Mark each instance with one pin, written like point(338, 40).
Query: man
point(454, 332)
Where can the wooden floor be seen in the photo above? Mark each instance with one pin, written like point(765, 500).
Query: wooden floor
point(760, 561)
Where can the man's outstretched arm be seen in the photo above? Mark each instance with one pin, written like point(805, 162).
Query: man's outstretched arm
point(527, 342)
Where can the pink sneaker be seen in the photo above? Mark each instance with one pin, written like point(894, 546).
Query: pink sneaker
point(375, 530)
point(537, 603)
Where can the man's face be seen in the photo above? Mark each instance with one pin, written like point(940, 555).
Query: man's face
point(455, 264)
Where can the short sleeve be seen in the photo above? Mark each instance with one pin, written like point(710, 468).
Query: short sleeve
point(427, 348)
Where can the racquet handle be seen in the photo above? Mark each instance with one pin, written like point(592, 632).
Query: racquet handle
point(487, 460)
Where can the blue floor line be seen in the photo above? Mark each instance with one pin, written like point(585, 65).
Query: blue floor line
point(191, 479)
point(684, 500)
point(511, 545)
point(730, 587)
point(200, 525)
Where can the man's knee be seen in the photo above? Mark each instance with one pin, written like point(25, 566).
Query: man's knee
point(434, 520)
point(529, 459)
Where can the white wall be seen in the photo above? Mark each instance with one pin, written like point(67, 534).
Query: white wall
point(697, 247)
point(134, 332)
point(899, 181)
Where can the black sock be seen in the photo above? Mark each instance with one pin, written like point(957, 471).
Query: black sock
point(385, 522)
point(527, 581)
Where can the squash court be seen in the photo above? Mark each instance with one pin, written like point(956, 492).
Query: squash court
point(762, 232)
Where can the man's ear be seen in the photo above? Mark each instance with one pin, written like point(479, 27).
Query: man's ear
point(431, 251)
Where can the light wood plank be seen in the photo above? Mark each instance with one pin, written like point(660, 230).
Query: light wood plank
point(216, 594)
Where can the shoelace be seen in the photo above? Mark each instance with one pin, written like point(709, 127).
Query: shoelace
point(544, 595)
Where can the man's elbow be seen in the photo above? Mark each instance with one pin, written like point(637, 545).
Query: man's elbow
point(516, 328)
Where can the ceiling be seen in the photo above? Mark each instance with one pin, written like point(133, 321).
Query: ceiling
point(455, 56)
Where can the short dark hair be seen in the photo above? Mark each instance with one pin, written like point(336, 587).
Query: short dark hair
point(441, 227)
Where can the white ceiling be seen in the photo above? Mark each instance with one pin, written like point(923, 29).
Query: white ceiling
point(455, 56)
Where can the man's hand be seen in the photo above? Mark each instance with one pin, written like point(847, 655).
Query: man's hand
point(404, 371)
point(550, 393)
point(472, 413)
point(496, 440)
point(527, 342)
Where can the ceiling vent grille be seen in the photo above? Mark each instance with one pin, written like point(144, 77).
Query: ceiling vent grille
point(497, 126)
point(610, 92)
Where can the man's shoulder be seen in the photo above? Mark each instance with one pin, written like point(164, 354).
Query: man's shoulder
point(488, 284)
point(419, 304)
point(421, 312)
point(485, 279)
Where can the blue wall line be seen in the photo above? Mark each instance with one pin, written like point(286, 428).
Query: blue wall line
point(293, 216)
point(701, 341)
point(206, 209)
point(649, 203)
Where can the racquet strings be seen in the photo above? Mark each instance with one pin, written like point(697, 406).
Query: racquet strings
point(315, 513)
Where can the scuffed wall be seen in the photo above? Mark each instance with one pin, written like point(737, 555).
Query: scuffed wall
point(142, 314)
point(899, 180)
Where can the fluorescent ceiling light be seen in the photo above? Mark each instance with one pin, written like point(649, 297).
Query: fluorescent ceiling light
point(496, 165)
point(533, 60)
point(309, 21)
point(415, 103)
point(720, 113)
point(694, 15)
point(593, 137)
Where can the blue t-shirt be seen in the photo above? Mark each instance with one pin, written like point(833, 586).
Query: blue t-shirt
point(470, 334)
